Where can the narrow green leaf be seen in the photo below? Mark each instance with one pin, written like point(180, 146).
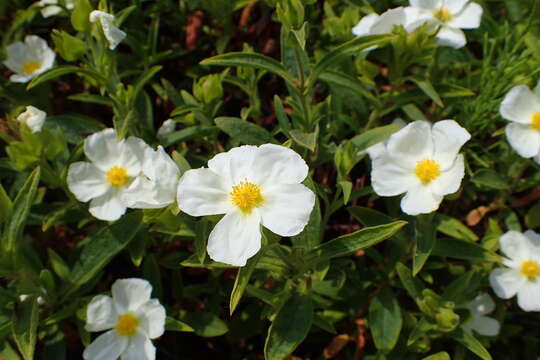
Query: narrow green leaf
point(58, 71)
point(205, 324)
point(58, 265)
point(92, 99)
point(455, 228)
point(5, 205)
point(145, 78)
point(470, 343)
point(385, 320)
point(242, 280)
point(177, 325)
point(348, 82)
point(24, 327)
point(429, 90)
point(307, 140)
point(413, 286)
point(443, 355)
point(289, 328)
point(464, 250)
point(374, 136)
point(282, 117)
point(188, 133)
point(243, 131)
point(425, 239)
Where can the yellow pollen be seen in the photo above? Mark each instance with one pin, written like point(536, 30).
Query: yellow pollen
point(530, 269)
point(117, 176)
point(246, 196)
point(126, 325)
point(442, 15)
point(535, 121)
point(30, 67)
point(427, 170)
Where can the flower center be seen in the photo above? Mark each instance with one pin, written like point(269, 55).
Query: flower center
point(30, 67)
point(117, 176)
point(535, 121)
point(126, 325)
point(427, 170)
point(246, 196)
point(442, 15)
point(530, 269)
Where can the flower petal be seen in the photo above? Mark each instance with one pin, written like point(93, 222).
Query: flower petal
point(363, 28)
point(152, 315)
point(130, 294)
point(515, 246)
point(520, 104)
point(113, 34)
point(201, 192)
point(452, 37)
point(450, 180)
point(139, 348)
point(108, 206)
point(454, 6)
point(100, 314)
point(107, 346)
point(448, 138)
point(420, 200)
point(389, 19)
point(103, 149)
point(276, 164)
point(16, 53)
point(133, 155)
point(468, 18)
point(534, 239)
point(484, 325)
point(390, 179)
point(529, 296)
point(482, 304)
point(506, 282)
point(411, 144)
point(286, 208)
point(234, 165)
point(426, 4)
point(235, 238)
point(86, 181)
point(524, 139)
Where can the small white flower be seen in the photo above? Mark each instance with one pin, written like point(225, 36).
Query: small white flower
point(29, 59)
point(374, 24)
point(423, 162)
point(51, 8)
point(479, 307)
point(166, 128)
point(33, 118)
point(157, 184)
point(131, 317)
point(521, 275)
point(252, 186)
point(113, 34)
point(451, 16)
point(522, 107)
point(114, 165)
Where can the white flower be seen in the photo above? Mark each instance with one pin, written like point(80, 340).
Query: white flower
point(166, 128)
point(451, 16)
point(50, 7)
point(29, 59)
point(479, 307)
point(131, 317)
point(374, 24)
point(33, 118)
point(157, 184)
point(113, 34)
point(252, 186)
point(114, 165)
point(423, 162)
point(521, 275)
point(522, 107)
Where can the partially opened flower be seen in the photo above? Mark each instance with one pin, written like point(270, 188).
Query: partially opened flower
point(521, 274)
point(132, 319)
point(522, 107)
point(479, 307)
point(421, 161)
point(252, 186)
point(51, 8)
point(451, 16)
point(29, 59)
point(166, 128)
point(113, 34)
point(33, 118)
point(113, 166)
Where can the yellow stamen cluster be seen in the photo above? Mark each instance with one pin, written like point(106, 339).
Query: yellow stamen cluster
point(530, 269)
point(427, 170)
point(442, 15)
point(535, 121)
point(117, 176)
point(30, 67)
point(246, 196)
point(126, 325)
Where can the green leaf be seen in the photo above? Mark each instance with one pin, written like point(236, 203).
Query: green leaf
point(490, 179)
point(428, 89)
point(470, 343)
point(455, 228)
point(205, 324)
point(413, 286)
point(58, 265)
point(385, 320)
point(92, 99)
point(242, 280)
point(252, 60)
point(283, 119)
point(58, 71)
point(74, 126)
point(532, 219)
point(188, 133)
point(346, 81)
point(80, 15)
point(457, 288)
point(177, 325)
point(145, 78)
point(464, 250)
point(374, 136)
point(350, 243)
point(24, 327)
point(443, 355)
point(425, 239)
point(21, 208)
point(100, 248)
point(243, 131)
point(5, 205)
point(307, 140)
point(68, 46)
point(311, 235)
point(289, 328)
